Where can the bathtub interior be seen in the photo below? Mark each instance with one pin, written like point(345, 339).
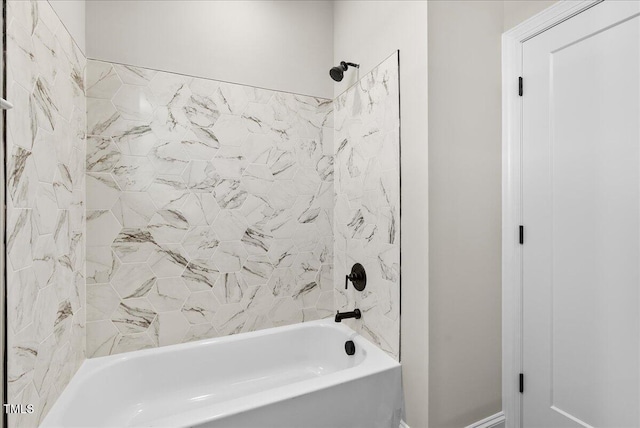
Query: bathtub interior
point(149, 386)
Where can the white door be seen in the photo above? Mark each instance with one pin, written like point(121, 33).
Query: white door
point(581, 213)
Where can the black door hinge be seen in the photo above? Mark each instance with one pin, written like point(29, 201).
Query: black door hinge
point(520, 85)
point(521, 234)
point(521, 383)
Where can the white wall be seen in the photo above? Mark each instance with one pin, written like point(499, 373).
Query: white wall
point(367, 32)
point(72, 13)
point(464, 211)
point(282, 45)
point(464, 206)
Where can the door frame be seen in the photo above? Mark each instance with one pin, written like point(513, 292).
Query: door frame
point(512, 41)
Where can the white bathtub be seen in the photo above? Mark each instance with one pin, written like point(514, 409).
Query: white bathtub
point(287, 377)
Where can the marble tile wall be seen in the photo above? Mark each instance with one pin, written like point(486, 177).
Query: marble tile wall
point(367, 210)
point(209, 208)
point(45, 212)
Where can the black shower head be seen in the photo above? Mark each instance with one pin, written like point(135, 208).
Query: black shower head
point(337, 73)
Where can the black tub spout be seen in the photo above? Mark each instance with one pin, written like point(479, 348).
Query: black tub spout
point(344, 315)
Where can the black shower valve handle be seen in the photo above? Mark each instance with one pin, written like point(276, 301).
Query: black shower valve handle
point(358, 277)
point(353, 276)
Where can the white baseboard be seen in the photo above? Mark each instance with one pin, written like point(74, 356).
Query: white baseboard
point(494, 421)
point(403, 424)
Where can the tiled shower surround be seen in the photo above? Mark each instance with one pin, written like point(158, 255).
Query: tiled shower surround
point(209, 208)
point(159, 208)
point(367, 211)
point(45, 213)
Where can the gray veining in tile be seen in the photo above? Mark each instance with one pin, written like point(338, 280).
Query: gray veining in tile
point(214, 188)
point(45, 215)
point(365, 169)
